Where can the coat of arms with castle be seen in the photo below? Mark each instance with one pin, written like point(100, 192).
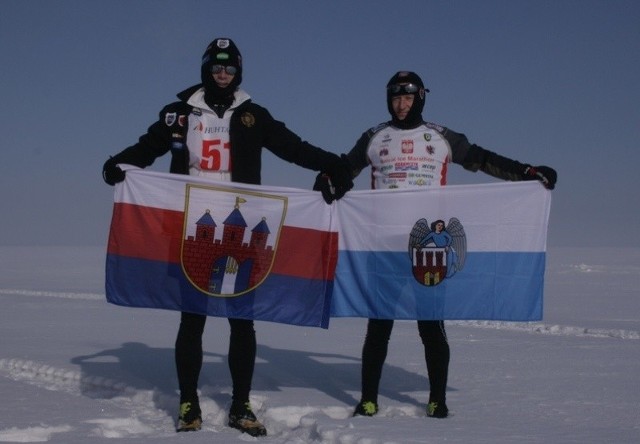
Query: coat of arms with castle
point(230, 238)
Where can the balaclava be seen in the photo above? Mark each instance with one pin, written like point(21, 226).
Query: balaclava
point(414, 117)
point(221, 51)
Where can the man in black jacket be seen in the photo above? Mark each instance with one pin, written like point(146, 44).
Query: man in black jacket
point(216, 131)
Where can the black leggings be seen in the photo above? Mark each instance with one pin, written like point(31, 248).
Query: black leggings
point(374, 353)
point(188, 355)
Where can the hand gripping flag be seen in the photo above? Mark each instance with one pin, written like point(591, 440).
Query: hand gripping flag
point(221, 249)
point(458, 252)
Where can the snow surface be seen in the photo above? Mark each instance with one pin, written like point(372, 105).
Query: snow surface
point(74, 369)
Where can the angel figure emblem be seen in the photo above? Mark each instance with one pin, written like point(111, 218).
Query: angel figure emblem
point(437, 251)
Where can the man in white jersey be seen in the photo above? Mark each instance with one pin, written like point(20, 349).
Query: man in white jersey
point(407, 152)
point(215, 130)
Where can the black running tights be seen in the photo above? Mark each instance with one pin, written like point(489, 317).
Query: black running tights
point(374, 353)
point(188, 355)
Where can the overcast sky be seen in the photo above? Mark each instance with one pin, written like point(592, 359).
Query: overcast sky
point(544, 82)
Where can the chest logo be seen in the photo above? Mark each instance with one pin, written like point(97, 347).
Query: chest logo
point(170, 118)
point(407, 146)
point(248, 119)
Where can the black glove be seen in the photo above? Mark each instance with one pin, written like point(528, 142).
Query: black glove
point(324, 185)
point(341, 177)
point(544, 174)
point(111, 172)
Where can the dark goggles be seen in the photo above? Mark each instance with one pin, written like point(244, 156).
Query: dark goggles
point(217, 69)
point(407, 88)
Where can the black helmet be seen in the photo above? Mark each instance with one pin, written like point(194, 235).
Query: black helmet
point(402, 83)
point(221, 51)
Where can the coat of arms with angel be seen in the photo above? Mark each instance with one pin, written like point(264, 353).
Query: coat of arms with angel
point(437, 251)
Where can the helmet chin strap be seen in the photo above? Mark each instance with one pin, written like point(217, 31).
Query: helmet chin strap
point(219, 100)
point(407, 122)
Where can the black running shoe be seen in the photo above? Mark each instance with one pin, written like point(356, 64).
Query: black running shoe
point(242, 418)
point(437, 410)
point(190, 417)
point(366, 408)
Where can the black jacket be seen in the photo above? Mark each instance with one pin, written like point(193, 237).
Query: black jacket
point(251, 129)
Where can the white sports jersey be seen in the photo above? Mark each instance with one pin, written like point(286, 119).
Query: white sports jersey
point(414, 158)
point(208, 138)
point(209, 146)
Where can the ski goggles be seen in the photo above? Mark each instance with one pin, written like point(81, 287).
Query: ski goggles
point(217, 69)
point(407, 88)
